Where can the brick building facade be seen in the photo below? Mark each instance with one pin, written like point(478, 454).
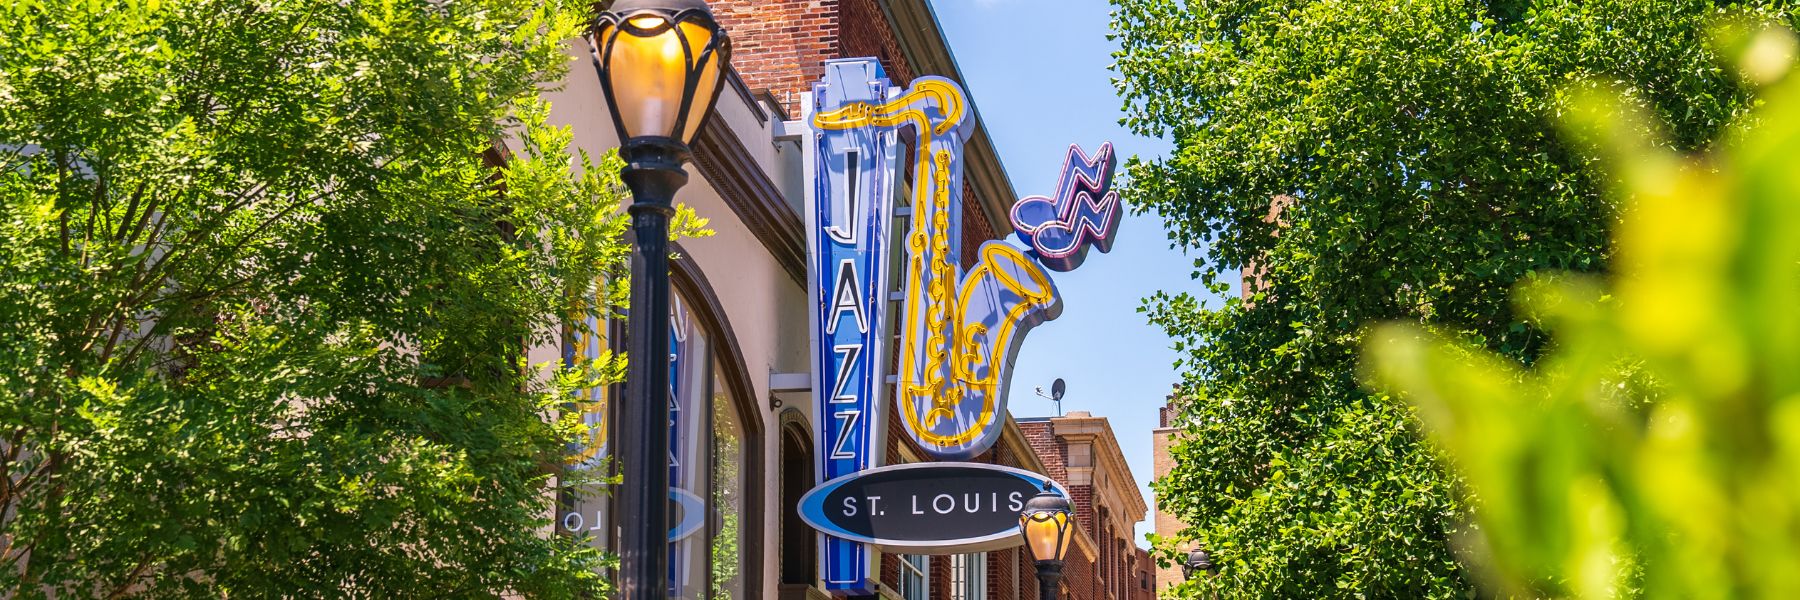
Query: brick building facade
point(780, 47)
point(1163, 440)
point(1080, 451)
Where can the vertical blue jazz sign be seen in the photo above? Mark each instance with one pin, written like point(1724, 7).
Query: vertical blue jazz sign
point(849, 213)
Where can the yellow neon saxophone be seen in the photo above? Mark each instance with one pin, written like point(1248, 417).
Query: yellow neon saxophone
point(959, 331)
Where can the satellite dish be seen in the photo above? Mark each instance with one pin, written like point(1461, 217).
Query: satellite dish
point(1057, 388)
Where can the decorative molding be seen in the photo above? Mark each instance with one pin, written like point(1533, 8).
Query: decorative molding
point(722, 160)
point(768, 97)
point(743, 91)
point(1106, 458)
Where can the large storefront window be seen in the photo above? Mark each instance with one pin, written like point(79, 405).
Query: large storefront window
point(707, 466)
point(587, 512)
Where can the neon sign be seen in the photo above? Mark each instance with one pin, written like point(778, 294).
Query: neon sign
point(926, 508)
point(959, 330)
point(1084, 212)
point(849, 210)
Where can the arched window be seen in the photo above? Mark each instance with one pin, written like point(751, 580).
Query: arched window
point(715, 465)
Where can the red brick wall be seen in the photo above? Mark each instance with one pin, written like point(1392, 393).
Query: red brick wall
point(1004, 570)
point(1028, 586)
point(976, 230)
point(780, 45)
point(866, 33)
point(1049, 449)
point(1144, 579)
point(1078, 576)
point(940, 576)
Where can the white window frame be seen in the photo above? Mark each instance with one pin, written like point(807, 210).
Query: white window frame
point(968, 576)
point(912, 565)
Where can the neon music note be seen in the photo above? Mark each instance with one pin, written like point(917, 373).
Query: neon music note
point(1084, 213)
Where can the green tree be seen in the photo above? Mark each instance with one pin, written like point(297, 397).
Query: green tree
point(1415, 140)
point(1652, 450)
point(268, 280)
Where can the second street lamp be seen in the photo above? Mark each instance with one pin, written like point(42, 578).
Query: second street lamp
point(660, 64)
point(1197, 562)
point(1047, 524)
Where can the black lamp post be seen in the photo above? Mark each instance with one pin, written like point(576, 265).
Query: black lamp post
point(1047, 524)
point(660, 64)
point(1197, 562)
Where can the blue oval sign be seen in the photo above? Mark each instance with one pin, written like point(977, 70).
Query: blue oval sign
point(926, 507)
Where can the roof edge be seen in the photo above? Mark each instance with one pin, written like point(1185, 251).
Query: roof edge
point(928, 51)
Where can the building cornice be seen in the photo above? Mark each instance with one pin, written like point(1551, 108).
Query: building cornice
point(1108, 458)
point(725, 163)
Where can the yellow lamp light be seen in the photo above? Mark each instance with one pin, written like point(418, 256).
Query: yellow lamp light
point(1047, 524)
point(660, 64)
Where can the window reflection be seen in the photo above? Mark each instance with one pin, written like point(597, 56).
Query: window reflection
point(728, 494)
point(707, 452)
point(588, 513)
point(690, 383)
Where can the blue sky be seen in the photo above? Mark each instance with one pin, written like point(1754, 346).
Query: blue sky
point(1038, 72)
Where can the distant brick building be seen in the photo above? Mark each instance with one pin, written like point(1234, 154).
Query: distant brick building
point(1079, 451)
point(1163, 440)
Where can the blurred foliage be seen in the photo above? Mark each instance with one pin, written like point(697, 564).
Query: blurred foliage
point(1654, 450)
point(267, 304)
point(1417, 142)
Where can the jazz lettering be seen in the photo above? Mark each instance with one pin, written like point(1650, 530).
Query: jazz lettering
point(848, 208)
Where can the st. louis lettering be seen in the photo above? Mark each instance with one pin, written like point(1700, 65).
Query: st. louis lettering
point(943, 504)
point(874, 506)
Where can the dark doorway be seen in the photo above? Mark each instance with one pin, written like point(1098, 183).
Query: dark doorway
point(799, 546)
